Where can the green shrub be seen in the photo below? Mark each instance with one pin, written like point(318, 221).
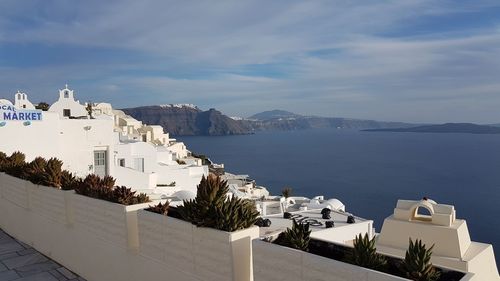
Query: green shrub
point(417, 263)
point(212, 208)
point(365, 254)
point(297, 237)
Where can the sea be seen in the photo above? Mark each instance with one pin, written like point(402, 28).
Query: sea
point(370, 171)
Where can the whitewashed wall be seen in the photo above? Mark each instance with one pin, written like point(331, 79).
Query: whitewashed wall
point(185, 177)
point(134, 179)
point(277, 263)
point(100, 240)
point(65, 139)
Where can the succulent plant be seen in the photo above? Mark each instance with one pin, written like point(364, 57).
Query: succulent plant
point(14, 165)
point(417, 263)
point(297, 237)
point(52, 175)
point(122, 195)
point(102, 188)
point(93, 186)
point(35, 170)
point(160, 208)
point(365, 254)
point(68, 180)
point(212, 208)
point(286, 192)
point(142, 198)
point(108, 181)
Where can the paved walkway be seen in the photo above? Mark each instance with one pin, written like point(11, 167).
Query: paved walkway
point(21, 262)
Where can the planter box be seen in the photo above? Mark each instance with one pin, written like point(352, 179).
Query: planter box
point(152, 235)
point(275, 262)
point(221, 255)
point(115, 223)
point(49, 202)
point(208, 253)
point(15, 190)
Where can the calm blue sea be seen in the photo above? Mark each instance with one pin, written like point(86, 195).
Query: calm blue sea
point(369, 171)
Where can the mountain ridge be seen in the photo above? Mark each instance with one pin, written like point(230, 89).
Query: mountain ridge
point(189, 120)
point(468, 128)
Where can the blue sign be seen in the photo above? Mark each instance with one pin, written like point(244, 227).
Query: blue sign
point(11, 113)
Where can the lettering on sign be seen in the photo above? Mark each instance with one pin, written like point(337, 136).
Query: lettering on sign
point(11, 113)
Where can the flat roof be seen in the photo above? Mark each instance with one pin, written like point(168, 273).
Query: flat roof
point(279, 224)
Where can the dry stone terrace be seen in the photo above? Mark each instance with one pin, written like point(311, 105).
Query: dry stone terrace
point(21, 262)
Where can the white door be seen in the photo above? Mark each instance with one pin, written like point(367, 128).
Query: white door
point(100, 163)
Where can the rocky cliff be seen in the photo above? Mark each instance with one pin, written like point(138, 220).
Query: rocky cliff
point(189, 121)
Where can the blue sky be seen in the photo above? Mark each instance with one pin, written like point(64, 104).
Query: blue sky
point(404, 60)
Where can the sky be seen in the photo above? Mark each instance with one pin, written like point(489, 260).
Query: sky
point(404, 60)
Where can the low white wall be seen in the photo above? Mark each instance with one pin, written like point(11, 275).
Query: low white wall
point(100, 240)
point(185, 177)
point(134, 179)
point(345, 233)
point(208, 253)
point(274, 262)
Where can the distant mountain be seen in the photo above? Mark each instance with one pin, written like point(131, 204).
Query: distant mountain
point(284, 120)
point(189, 120)
point(273, 114)
point(467, 128)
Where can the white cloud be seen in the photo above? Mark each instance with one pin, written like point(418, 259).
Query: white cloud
point(197, 51)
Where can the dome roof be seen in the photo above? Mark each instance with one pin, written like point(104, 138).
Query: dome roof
point(335, 204)
point(6, 102)
point(184, 195)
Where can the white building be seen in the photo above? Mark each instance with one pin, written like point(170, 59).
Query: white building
point(21, 101)
point(110, 143)
point(67, 106)
point(453, 248)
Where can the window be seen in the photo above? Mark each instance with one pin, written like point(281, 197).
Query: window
point(66, 94)
point(66, 112)
point(24, 106)
point(121, 162)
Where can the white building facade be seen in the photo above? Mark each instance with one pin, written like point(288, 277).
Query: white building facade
point(138, 156)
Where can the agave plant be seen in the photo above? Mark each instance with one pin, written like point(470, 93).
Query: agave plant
point(141, 198)
point(417, 263)
point(52, 175)
point(286, 192)
point(93, 186)
point(35, 170)
point(122, 195)
point(14, 164)
point(68, 180)
point(108, 181)
point(297, 237)
point(161, 209)
point(235, 214)
point(212, 208)
point(365, 254)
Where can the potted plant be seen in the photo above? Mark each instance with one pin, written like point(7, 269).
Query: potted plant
point(211, 235)
point(107, 211)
